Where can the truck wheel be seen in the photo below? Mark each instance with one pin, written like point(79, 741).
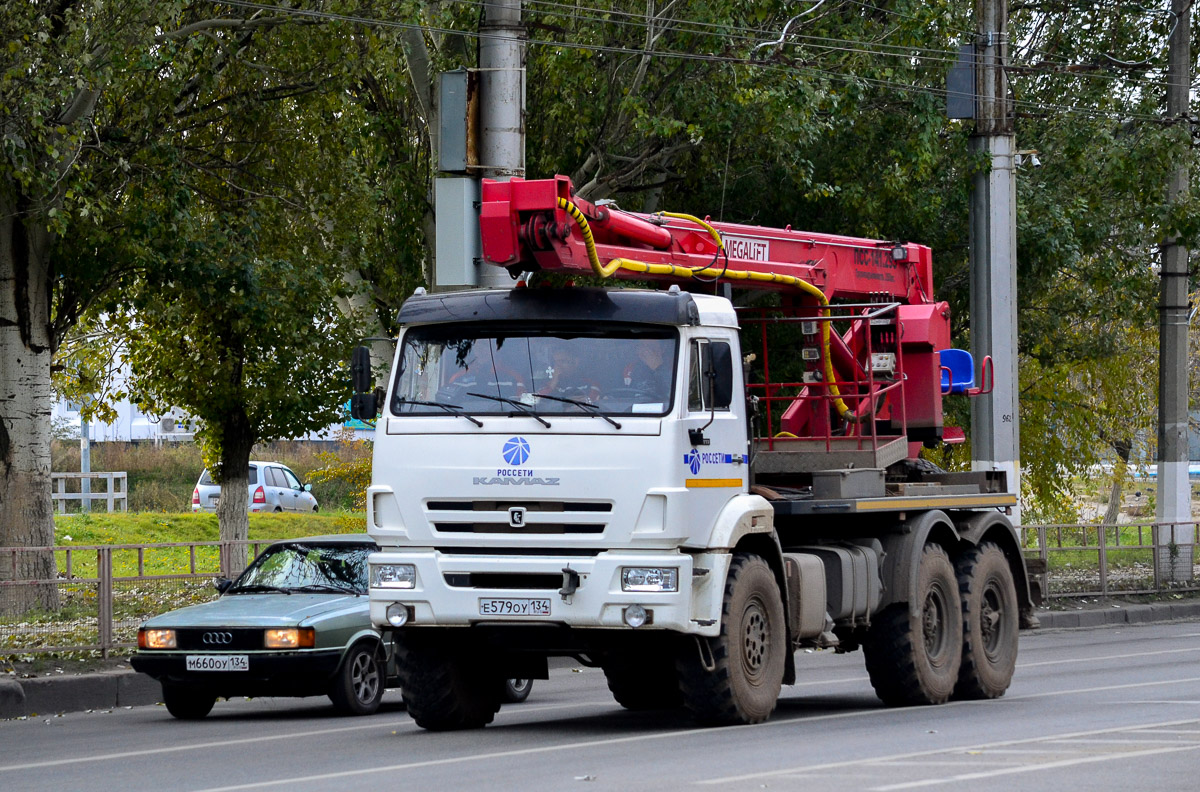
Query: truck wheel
point(357, 687)
point(444, 691)
point(989, 601)
point(737, 677)
point(514, 691)
point(913, 654)
point(187, 703)
point(652, 687)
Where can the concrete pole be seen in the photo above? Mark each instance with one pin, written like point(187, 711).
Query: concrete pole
point(995, 435)
point(85, 464)
point(1175, 551)
point(502, 104)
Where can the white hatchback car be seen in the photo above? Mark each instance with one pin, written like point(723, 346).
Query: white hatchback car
point(273, 488)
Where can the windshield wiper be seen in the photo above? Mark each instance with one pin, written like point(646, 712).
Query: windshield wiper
point(578, 403)
point(522, 406)
point(330, 587)
point(453, 409)
point(258, 587)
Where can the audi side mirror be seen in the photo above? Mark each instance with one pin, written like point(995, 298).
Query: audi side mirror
point(222, 584)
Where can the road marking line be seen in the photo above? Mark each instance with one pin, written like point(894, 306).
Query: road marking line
point(1031, 768)
point(1078, 660)
point(995, 747)
point(681, 734)
point(409, 725)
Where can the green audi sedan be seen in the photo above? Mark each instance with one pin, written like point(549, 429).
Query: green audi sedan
point(295, 623)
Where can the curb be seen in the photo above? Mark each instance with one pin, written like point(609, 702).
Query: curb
point(1126, 614)
point(108, 690)
point(76, 692)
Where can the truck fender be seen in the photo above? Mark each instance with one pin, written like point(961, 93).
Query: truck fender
point(979, 527)
point(742, 516)
point(747, 524)
point(902, 550)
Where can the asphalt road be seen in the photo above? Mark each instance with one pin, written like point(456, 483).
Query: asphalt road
point(1112, 708)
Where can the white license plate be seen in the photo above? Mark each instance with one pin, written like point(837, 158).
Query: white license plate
point(514, 607)
point(218, 663)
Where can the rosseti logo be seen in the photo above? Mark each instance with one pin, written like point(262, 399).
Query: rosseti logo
point(692, 460)
point(516, 450)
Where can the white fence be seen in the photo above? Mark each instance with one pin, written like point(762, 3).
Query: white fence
point(116, 490)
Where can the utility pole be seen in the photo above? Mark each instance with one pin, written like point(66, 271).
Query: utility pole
point(995, 426)
point(1175, 549)
point(502, 106)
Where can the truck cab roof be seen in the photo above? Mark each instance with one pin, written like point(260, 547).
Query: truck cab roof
point(671, 307)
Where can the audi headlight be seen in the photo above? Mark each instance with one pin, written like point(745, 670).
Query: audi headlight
point(156, 639)
point(290, 638)
point(649, 579)
point(396, 576)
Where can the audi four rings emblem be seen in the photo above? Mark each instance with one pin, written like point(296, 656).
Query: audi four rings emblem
point(217, 638)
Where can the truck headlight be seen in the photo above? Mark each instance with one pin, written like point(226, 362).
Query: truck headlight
point(649, 579)
point(397, 576)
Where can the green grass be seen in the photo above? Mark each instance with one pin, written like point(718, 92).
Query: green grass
point(148, 528)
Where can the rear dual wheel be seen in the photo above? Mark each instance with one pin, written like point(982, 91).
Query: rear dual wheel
point(990, 622)
point(913, 650)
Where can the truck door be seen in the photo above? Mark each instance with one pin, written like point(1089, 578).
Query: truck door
point(715, 456)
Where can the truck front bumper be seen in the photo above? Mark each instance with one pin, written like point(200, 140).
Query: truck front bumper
point(451, 590)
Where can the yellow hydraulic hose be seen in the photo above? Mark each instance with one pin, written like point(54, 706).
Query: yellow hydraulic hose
point(606, 270)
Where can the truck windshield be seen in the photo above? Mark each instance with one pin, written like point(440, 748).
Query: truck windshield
point(620, 370)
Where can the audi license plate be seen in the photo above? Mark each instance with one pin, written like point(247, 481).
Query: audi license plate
point(218, 663)
point(514, 607)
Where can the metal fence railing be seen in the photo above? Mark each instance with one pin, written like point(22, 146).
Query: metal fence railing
point(93, 598)
point(1082, 560)
point(100, 594)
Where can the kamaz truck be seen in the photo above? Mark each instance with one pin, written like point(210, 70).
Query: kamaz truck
point(686, 482)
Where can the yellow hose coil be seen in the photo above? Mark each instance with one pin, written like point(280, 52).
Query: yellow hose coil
point(687, 273)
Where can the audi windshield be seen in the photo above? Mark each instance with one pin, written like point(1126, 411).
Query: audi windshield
point(474, 370)
point(306, 567)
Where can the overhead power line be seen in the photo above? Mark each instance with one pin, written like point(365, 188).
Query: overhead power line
point(791, 69)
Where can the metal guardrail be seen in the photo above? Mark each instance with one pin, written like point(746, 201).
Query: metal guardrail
point(102, 593)
point(1090, 559)
point(116, 492)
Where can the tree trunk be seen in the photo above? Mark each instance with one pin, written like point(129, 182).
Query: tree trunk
point(1120, 471)
point(233, 507)
point(26, 513)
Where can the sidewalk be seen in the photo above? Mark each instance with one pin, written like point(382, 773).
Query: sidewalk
point(51, 694)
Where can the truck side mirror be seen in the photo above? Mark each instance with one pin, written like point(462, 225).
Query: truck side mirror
point(361, 376)
point(363, 406)
point(721, 373)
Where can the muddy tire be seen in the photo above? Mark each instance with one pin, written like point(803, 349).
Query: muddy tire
point(186, 702)
point(357, 689)
point(445, 690)
point(735, 677)
point(651, 687)
point(990, 623)
point(913, 654)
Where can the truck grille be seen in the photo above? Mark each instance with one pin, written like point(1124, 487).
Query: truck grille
point(538, 517)
point(503, 580)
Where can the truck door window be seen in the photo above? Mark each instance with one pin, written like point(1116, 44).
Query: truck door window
point(700, 361)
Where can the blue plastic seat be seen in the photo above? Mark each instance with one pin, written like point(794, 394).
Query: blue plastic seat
point(958, 371)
